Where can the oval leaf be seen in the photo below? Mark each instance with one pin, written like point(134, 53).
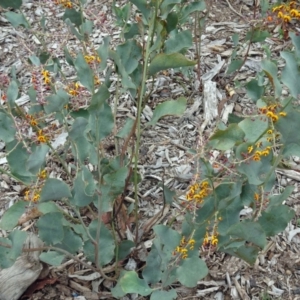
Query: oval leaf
point(55, 189)
point(171, 107)
point(166, 61)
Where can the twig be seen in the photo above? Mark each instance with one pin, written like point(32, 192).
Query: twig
point(236, 12)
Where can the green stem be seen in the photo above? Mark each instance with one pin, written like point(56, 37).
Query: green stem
point(139, 112)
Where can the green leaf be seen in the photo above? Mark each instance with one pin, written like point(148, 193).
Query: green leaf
point(226, 139)
point(17, 159)
point(257, 172)
point(106, 244)
point(126, 79)
point(37, 158)
point(74, 30)
point(47, 207)
point(55, 189)
point(275, 219)
point(290, 74)
point(165, 295)
point(68, 56)
point(130, 54)
point(172, 21)
point(5, 262)
point(73, 15)
point(250, 232)
point(52, 258)
point(270, 70)
point(278, 199)
point(153, 270)
point(125, 249)
point(12, 93)
point(296, 42)
point(17, 238)
point(126, 129)
point(170, 107)
point(166, 61)
point(185, 38)
point(169, 195)
point(50, 228)
point(86, 27)
point(16, 19)
point(113, 186)
point(191, 270)
point(289, 126)
point(131, 283)
point(11, 3)
point(257, 35)
point(254, 90)
point(56, 102)
point(254, 128)
point(142, 6)
point(84, 72)
point(71, 241)
point(234, 65)
point(7, 128)
point(84, 188)
point(190, 8)
point(44, 56)
point(235, 39)
point(101, 122)
point(247, 253)
point(11, 216)
point(103, 52)
point(98, 99)
point(81, 146)
point(34, 60)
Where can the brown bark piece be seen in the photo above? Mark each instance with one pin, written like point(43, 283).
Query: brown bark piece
point(27, 268)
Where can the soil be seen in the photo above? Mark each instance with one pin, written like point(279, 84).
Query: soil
point(275, 275)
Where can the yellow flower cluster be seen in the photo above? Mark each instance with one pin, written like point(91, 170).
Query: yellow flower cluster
point(258, 153)
point(288, 11)
point(33, 196)
point(256, 197)
point(46, 77)
point(198, 192)
point(32, 121)
point(211, 240)
point(184, 247)
point(271, 112)
point(64, 3)
point(41, 137)
point(73, 89)
point(91, 58)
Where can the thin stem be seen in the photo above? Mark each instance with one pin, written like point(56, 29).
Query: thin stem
point(139, 112)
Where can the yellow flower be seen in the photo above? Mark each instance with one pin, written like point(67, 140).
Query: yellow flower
point(282, 114)
point(294, 12)
point(47, 80)
point(204, 184)
point(287, 18)
point(256, 157)
point(43, 174)
point(73, 92)
point(258, 144)
point(256, 197)
point(214, 240)
point(270, 131)
point(36, 196)
point(250, 149)
point(45, 73)
point(265, 153)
